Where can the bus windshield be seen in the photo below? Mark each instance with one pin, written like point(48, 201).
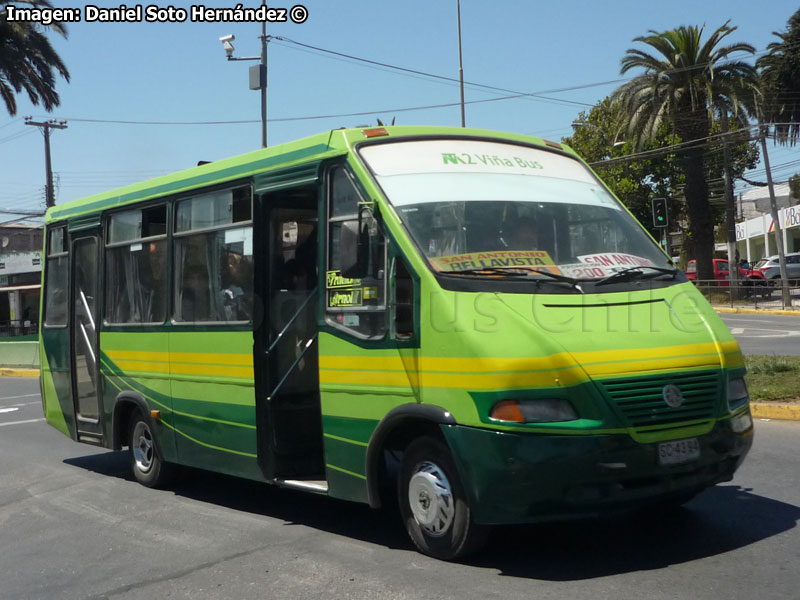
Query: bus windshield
point(480, 206)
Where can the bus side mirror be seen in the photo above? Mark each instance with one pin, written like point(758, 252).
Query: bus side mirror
point(358, 245)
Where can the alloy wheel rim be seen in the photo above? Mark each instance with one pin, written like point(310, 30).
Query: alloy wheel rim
point(142, 447)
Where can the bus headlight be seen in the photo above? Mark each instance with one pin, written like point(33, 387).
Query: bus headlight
point(737, 393)
point(544, 410)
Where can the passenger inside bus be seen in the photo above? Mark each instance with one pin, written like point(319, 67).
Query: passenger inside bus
point(194, 301)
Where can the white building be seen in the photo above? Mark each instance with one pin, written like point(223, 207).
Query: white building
point(755, 237)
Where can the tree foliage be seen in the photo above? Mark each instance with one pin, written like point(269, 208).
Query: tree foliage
point(685, 82)
point(794, 186)
point(780, 74)
point(599, 139)
point(28, 61)
point(658, 173)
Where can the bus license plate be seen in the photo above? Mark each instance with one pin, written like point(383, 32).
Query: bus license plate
point(679, 451)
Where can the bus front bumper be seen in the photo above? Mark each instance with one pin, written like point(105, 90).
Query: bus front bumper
point(514, 477)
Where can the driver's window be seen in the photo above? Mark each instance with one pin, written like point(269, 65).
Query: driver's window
point(355, 304)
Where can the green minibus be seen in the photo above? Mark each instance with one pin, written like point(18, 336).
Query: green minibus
point(463, 322)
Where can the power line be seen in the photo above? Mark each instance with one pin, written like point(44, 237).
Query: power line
point(426, 74)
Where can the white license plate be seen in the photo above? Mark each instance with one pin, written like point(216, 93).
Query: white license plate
point(679, 451)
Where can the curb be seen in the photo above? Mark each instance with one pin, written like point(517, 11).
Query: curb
point(756, 311)
point(10, 372)
point(775, 410)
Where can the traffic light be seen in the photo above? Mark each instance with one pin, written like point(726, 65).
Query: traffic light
point(660, 212)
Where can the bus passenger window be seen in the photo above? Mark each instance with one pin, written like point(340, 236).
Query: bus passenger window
point(357, 305)
point(56, 278)
point(213, 258)
point(136, 266)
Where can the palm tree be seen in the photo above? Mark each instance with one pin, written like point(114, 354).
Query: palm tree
point(681, 88)
point(27, 60)
point(780, 73)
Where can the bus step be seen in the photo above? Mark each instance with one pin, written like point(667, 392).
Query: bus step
point(90, 438)
point(319, 486)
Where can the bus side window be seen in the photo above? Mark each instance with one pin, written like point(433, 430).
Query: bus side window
point(136, 266)
point(355, 305)
point(213, 258)
point(56, 278)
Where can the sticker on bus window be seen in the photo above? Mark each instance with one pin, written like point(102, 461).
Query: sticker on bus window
point(615, 259)
point(501, 259)
point(344, 298)
point(351, 320)
point(335, 280)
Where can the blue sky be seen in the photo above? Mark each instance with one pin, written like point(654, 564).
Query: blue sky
point(178, 73)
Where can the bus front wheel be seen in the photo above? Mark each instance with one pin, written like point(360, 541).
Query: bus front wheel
point(433, 504)
point(148, 467)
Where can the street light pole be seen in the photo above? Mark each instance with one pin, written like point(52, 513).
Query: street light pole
point(461, 65)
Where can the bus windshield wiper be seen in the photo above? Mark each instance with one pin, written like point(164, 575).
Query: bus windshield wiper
point(519, 272)
point(631, 273)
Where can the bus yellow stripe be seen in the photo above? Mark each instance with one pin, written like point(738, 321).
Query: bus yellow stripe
point(219, 370)
point(205, 358)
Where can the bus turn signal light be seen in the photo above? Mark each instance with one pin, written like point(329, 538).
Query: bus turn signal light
point(156, 414)
point(508, 410)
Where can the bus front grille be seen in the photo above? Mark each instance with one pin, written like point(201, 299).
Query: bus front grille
point(641, 403)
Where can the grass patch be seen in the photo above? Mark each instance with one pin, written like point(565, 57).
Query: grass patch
point(771, 377)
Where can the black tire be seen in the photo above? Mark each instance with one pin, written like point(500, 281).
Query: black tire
point(147, 464)
point(440, 524)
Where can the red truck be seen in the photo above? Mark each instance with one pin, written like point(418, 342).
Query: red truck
point(749, 277)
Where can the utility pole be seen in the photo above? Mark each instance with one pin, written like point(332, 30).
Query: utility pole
point(773, 204)
point(461, 65)
point(46, 127)
point(262, 77)
point(730, 207)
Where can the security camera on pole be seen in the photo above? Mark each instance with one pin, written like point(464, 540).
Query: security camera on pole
point(258, 73)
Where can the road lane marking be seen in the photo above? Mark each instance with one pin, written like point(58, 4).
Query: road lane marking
point(15, 397)
point(8, 410)
point(21, 422)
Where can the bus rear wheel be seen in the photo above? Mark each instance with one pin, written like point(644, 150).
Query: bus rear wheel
point(433, 504)
point(149, 468)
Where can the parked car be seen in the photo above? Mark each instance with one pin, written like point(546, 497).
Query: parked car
point(722, 273)
point(770, 268)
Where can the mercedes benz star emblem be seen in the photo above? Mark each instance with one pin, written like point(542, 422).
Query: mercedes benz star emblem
point(672, 396)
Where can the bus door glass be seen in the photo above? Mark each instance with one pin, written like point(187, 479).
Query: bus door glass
point(84, 335)
point(287, 370)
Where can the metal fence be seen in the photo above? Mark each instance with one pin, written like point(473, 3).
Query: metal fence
point(18, 328)
point(749, 293)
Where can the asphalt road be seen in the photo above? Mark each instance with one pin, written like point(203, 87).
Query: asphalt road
point(73, 525)
point(765, 334)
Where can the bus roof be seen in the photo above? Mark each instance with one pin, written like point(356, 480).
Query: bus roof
point(311, 149)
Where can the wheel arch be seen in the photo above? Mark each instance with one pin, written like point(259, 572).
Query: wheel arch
point(125, 404)
point(396, 430)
